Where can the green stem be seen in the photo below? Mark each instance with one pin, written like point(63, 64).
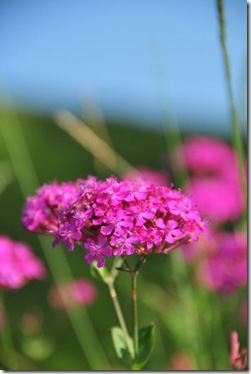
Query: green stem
point(120, 316)
point(237, 141)
point(7, 341)
point(135, 313)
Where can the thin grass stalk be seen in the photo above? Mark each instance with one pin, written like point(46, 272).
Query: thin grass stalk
point(236, 131)
point(95, 118)
point(96, 122)
point(98, 147)
point(28, 182)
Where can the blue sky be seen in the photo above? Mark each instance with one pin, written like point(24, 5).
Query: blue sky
point(137, 58)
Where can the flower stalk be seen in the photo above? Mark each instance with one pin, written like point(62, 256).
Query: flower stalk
point(135, 313)
point(120, 316)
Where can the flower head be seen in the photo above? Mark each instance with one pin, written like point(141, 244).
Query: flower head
point(119, 218)
point(20, 264)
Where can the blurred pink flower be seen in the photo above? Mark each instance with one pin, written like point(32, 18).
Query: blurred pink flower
point(217, 198)
point(70, 295)
point(18, 264)
point(148, 175)
point(214, 178)
point(181, 361)
point(224, 267)
point(204, 155)
point(238, 359)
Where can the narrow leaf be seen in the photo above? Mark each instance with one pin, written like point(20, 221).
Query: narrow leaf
point(146, 345)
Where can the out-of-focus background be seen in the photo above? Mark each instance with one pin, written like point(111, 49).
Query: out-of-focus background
point(144, 76)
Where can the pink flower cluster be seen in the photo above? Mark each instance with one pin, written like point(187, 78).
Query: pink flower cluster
point(114, 217)
point(20, 264)
point(224, 268)
point(215, 186)
point(214, 182)
point(71, 294)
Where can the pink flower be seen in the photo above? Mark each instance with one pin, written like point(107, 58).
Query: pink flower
point(203, 155)
point(18, 264)
point(119, 218)
point(71, 295)
point(219, 199)
point(214, 178)
point(238, 359)
point(97, 250)
point(224, 267)
point(124, 244)
point(68, 233)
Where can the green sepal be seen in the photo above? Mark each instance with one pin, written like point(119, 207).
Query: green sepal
point(123, 347)
point(146, 345)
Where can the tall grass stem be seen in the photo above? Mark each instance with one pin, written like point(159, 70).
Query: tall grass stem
point(236, 131)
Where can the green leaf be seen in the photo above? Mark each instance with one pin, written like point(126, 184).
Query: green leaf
point(124, 352)
point(146, 345)
point(100, 273)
